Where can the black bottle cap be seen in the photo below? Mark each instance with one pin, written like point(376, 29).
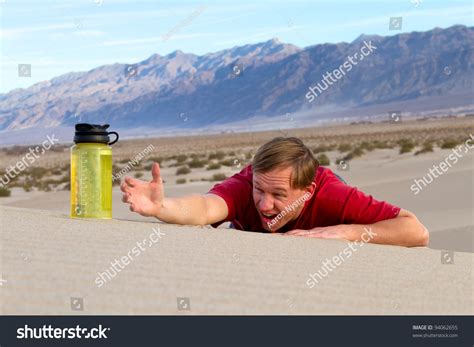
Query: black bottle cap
point(94, 133)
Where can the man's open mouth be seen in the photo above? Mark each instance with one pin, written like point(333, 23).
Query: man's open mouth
point(268, 217)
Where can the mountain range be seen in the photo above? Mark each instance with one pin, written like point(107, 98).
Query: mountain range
point(412, 71)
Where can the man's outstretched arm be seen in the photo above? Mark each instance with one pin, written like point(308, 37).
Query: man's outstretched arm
point(148, 199)
point(403, 230)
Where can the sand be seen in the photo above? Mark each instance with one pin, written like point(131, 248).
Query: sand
point(48, 258)
point(445, 206)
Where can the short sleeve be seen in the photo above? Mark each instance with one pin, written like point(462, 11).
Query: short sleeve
point(360, 208)
point(235, 191)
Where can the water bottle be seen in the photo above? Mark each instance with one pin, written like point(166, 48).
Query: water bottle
point(91, 172)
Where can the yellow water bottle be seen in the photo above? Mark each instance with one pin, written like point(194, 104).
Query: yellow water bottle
point(91, 172)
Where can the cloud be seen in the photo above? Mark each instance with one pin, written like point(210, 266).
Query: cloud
point(15, 33)
point(89, 33)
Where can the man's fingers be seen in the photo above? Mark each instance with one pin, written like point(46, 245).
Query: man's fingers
point(126, 197)
point(132, 182)
point(155, 172)
point(299, 233)
point(295, 232)
point(124, 187)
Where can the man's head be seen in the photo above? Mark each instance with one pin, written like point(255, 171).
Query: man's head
point(283, 174)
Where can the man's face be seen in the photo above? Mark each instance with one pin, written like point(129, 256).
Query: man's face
point(272, 195)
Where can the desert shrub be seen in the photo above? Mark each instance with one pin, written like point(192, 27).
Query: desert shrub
point(218, 177)
point(406, 145)
point(138, 174)
point(158, 160)
point(355, 153)
point(382, 145)
point(344, 147)
point(64, 179)
point(44, 186)
point(181, 158)
point(213, 166)
point(323, 159)
point(37, 172)
point(427, 147)
point(227, 162)
point(181, 181)
point(217, 155)
point(196, 163)
point(4, 192)
point(449, 143)
point(367, 146)
point(321, 148)
point(248, 155)
point(16, 150)
point(183, 170)
point(27, 185)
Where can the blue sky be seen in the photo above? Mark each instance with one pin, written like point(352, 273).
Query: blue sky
point(57, 37)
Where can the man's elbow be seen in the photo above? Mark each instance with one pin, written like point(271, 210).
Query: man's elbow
point(424, 236)
point(420, 236)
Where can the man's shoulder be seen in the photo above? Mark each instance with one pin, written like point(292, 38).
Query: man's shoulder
point(244, 175)
point(324, 175)
point(329, 185)
point(237, 181)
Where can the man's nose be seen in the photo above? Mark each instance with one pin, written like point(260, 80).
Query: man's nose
point(266, 203)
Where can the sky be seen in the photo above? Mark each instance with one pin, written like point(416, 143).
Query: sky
point(50, 38)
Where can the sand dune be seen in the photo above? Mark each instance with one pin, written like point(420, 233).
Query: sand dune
point(48, 258)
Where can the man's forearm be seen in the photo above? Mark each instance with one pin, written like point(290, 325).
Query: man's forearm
point(189, 209)
point(401, 231)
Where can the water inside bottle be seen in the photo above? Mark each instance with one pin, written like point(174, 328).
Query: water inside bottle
point(91, 181)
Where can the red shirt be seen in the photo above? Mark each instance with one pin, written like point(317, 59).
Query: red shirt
point(332, 203)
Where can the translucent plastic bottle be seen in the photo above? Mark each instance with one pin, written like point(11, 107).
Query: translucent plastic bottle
point(91, 172)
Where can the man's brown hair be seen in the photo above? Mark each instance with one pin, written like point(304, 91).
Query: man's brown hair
point(283, 152)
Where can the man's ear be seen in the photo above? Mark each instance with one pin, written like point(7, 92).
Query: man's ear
point(311, 189)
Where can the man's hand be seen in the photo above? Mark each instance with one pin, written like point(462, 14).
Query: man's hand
point(148, 199)
point(403, 230)
point(332, 232)
point(145, 198)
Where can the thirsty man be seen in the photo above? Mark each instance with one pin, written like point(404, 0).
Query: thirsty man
point(284, 191)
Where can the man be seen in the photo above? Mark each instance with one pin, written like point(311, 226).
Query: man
point(284, 190)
